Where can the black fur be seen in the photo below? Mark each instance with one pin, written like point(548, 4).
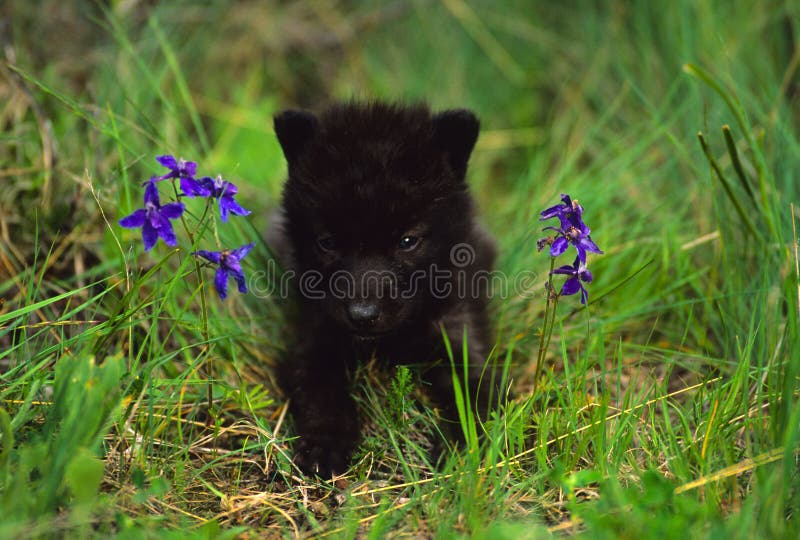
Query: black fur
point(374, 204)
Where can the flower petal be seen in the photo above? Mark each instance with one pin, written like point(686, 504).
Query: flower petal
point(155, 218)
point(573, 206)
point(151, 193)
point(240, 252)
point(221, 282)
point(168, 161)
point(572, 219)
point(149, 235)
point(173, 210)
point(567, 270)
point(232, 206)
point(229, 188)
point(581, 253)
point(134, 220)
point(589, 245)
point(240, 281)
point(571, 286)
point(585, 275)
point(167, 233)
point(559, 246)
point(213, 256)
point(193, 188)
point(584, 295)
point(207, 184)
point(231, 264)
point(189, 169)
point(551, 212)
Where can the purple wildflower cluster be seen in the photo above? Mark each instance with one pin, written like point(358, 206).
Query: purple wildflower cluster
point(154, 218)
point(571, 231)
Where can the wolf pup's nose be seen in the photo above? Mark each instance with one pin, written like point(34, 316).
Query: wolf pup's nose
point(363, 313)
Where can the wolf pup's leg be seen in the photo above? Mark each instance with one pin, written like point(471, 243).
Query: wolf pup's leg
point(323, 411)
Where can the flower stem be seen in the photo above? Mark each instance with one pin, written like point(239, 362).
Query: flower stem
point(552, 323)
point(547, 326)
point(203, 302)
point(216, 231)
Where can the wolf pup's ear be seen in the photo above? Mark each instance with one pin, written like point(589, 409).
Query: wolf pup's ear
point(456, 131)
point(294, 130)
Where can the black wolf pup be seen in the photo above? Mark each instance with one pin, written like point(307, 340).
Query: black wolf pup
point(378, 226)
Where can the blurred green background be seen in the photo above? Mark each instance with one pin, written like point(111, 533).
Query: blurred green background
point(602, 100)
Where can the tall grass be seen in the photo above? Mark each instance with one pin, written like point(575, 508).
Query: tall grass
point(668, 407)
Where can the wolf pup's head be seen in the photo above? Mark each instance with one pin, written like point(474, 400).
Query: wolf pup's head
point(374, 203)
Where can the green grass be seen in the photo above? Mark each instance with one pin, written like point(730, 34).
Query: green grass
point(668, 408)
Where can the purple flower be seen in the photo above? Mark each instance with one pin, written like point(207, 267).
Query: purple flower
point(578, 273)
point(184, 171)
point(228, 266)
point(569, 212)
point(223, 191)
point(572, 229)
point(578, 236)
point(154, 218)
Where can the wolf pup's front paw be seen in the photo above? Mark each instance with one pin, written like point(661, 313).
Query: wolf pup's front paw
point(324, 457)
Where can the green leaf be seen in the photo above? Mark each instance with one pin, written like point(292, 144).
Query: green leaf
point(6, 441)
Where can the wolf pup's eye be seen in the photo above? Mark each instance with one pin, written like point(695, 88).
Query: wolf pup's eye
point(408, 242)
point(326, 243)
